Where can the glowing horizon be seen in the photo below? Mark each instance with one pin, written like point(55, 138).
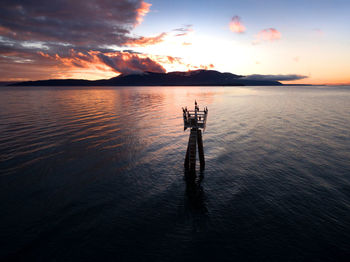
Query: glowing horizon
point(130, 36)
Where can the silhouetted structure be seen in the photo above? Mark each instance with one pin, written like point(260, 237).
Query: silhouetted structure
point(196, 120)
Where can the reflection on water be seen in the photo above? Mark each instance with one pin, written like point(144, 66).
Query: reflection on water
point(195, 201)
point(92, 171)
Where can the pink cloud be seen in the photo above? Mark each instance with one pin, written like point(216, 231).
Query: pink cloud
point(236, 25)
point(142, 11)
point(269, 35)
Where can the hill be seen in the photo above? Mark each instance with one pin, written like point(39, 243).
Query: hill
point(189, 78)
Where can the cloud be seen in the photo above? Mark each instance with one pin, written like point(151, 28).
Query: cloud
point(142, 11)
point(183, 31)
point(119, 62)
point(131, 63)
point(56, 39)
point(53, 38)
point(171, 59)
point(275, 77)
point(145, 41)
point(76, 22)
point(270, 34)
point(236, 25)
point(206, 67)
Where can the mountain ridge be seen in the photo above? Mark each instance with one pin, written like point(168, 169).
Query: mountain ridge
point(199, 77)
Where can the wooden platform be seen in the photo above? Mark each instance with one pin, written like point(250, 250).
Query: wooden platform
point(195, 118)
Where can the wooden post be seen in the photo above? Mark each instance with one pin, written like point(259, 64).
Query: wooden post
point(193, 149)
point(187, 159)
point(200, 149)
point(196, 120)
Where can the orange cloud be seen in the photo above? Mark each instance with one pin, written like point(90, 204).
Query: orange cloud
point(171, 63)
point(127, 63)
point(236, 25)
point(206, 67)
point(270, 34)
point(171, 59)
point(97, 64)
point(118, 62)
point(142, 11)
point(144, 41)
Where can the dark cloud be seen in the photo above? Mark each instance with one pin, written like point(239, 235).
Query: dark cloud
point(66, 35)
point(130, 51)
point(275, 77)
point(75, 22)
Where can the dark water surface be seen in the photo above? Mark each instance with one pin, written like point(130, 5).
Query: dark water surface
point(96, 174)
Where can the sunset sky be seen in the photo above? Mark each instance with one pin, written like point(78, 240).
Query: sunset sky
point(304, 41)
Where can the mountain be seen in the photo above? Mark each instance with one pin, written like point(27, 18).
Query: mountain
point(189, 78)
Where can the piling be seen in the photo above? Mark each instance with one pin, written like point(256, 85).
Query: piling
point(200, 149)
point(196, 120)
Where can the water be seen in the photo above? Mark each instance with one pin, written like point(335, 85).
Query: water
point(96, 174)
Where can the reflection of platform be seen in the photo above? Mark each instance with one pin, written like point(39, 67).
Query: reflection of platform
point(195, 202)
point(196, 120)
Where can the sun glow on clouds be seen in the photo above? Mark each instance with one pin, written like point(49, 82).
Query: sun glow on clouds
point(144, 41)
point(183, 45)
point(94, 57)
point(148, 54)
point(117, 62)
point(270, 34)
point(83, 28)
point(202, 52)
point(80, 40)
point(79, 65)
point(236, 25)
point(142, 11)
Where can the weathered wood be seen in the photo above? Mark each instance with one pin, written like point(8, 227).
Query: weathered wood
point(200, 149)
point(187, 158)
point(193, 149)
point(195, 120)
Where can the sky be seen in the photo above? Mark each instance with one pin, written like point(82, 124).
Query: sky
point(299, 41)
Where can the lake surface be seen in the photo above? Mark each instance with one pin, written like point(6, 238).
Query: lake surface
point(96, 174)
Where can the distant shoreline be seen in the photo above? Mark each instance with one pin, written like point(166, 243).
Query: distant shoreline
point(189, 78)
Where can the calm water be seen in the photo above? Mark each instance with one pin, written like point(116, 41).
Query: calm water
point(96, 174)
